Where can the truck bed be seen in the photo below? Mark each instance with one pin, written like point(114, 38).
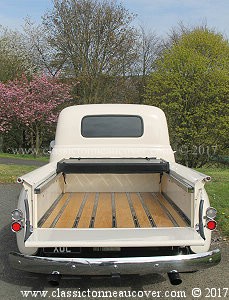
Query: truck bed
point(112, 210)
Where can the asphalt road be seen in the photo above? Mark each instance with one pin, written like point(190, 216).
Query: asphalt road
point(18, 161)
point(212, 282)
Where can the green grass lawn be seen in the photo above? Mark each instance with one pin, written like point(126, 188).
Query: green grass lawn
point(218, 191)
point(24, 156)
point(10, 173)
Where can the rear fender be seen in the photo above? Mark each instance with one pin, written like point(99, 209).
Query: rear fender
point(21, 235)
point(207, 233)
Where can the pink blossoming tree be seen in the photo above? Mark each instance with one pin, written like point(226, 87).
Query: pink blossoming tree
point(34, 105)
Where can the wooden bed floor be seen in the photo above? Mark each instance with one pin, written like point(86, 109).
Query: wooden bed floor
point(108, 210)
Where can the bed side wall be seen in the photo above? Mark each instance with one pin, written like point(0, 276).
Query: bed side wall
point(46, 198)
point(179, 196)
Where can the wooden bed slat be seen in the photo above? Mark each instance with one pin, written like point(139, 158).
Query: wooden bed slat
point(172, 211)
point(87, 211)
point(103, 218)
point(55, 212)
point(123, 214)
point(68, 217)
point(141, 215)
point(84, 204)
point(159, 216)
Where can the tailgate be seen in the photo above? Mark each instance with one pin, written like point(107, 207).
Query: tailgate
point(114, 237)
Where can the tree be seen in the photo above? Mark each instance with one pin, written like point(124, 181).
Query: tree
point(94, 38)
point(32, 104)
point(148, 47)
point(44, 57)
point(191, 84)
point(15, 58)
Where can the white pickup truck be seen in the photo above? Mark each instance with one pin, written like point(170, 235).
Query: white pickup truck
point(112, 200)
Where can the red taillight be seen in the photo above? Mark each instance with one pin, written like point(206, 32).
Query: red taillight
point(211, 225)
point(16, 226)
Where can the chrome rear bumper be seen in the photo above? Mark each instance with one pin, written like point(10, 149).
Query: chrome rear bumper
point(109, 266)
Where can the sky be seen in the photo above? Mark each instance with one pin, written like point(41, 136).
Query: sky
point(157, 15)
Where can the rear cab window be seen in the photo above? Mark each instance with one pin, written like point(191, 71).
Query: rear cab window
point(112, 126)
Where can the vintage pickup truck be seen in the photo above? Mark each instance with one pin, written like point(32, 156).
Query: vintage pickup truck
point(112, 200)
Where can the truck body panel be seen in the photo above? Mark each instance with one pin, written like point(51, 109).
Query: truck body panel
point(113, 183)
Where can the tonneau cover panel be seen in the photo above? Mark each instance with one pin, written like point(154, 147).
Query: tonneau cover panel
point(112, 165)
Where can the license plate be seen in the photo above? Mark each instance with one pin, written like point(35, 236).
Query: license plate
point(62, 250)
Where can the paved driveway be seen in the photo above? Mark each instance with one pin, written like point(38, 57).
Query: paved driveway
point(18, 161)
point(212, 282)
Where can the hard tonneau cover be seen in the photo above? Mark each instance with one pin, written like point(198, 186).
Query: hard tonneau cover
point(112, 165)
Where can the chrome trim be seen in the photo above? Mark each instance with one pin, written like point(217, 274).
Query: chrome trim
point(27, 217)
point(114, 222)
point(78, 216)
point(181, 182)
point(201, 224)
point(132, 210)
point(207, 211)
point(20, 180)
point(20, 213)
point(93, 215)
point(44, 184)
point(121, 265)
